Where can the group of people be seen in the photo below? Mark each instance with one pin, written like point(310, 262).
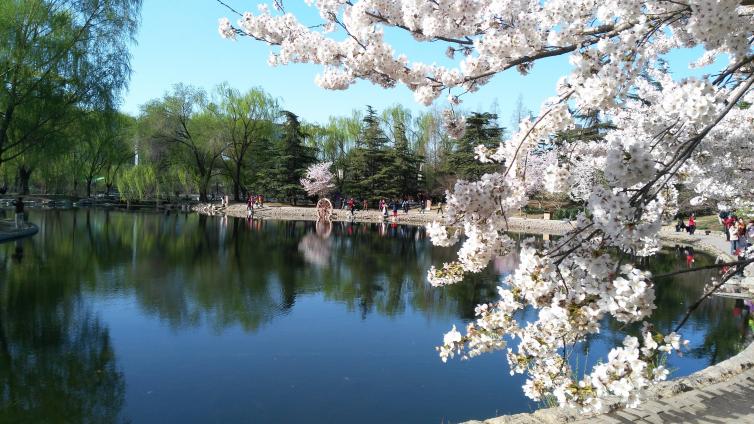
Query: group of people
point(253, 201)
point(737, 231)
point(682, 226)
point(385, 206)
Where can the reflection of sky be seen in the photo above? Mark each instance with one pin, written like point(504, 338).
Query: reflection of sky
point(190, 354)
point(320, 363)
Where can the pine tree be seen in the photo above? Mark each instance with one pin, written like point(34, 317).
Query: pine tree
point(481, 128)
point(405, 163)
point(371, 174)
point(293, 158)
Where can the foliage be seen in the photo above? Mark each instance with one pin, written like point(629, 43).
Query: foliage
point(481, 129)
point(293, 157)
point(138, 183)
point(58, 58)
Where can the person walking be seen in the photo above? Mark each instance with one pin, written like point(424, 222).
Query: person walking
point(19, 207)
point(351, 206)
point(249, 206)
point(395, 210)
point(405, 206)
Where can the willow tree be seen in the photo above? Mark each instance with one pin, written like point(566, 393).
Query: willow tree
point(58, 57)
point(246, 118)
point(185, 128)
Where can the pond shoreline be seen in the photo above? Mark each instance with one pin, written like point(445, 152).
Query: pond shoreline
point(413, 217)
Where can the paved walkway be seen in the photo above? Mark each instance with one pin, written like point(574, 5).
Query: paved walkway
point(714, 243)
point(731, 401)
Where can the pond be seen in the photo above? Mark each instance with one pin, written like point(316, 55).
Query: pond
point(110, 316)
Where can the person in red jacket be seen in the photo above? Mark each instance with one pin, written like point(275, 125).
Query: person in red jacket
point(728, 222)
point(692, 224)
point(351, 205)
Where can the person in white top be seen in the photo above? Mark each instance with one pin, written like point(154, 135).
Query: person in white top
point(733, 231)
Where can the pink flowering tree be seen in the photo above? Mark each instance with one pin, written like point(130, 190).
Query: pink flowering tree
point(663, 132)
point(318, 180)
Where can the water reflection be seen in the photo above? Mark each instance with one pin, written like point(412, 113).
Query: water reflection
point(190, 272)
point(56, 358)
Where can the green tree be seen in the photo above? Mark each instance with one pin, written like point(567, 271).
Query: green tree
point(481, 128)
point(184, 129)
point(104, 145)
point(293, 157)
point(246, 118)
point(404, 162)
point(56, 57)
point(369, 164)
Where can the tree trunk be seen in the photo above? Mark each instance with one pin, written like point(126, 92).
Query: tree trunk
point(88, 187)
point(24, 175)
point(237, 184)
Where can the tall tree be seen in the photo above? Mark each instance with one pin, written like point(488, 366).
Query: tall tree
point(293, 159)
point(104, 146)
point(370, 171)
point(58, 56)
point(404, 161)
point(247, 118)
point(184, 126)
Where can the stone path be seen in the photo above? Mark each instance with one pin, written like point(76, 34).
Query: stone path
point(722, 393)
point(714, 243)
point(726, 402)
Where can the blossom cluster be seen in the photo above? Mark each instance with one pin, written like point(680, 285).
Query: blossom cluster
point(318, 180)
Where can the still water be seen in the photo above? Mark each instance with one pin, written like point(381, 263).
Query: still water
point(136, 317)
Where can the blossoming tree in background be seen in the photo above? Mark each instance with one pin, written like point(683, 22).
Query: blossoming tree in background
point(663, 132)
point(318, 180)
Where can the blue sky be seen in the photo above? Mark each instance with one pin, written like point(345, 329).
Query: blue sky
point(180, 44)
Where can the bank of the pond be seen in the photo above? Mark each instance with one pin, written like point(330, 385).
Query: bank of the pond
point(413, 217)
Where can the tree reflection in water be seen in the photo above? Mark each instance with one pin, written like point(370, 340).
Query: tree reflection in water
point(57, 363)
point(190, 270)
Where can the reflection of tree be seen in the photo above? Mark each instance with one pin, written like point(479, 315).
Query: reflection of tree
point(56, 360)
point(182, 269)
point(316, 250)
